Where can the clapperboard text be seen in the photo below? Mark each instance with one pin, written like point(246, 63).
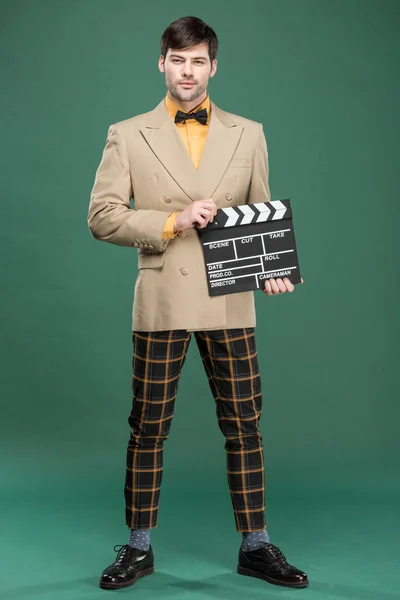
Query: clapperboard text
point(247, 244)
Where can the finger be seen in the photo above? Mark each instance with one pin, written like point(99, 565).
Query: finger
point(201, 222)
point(274, 287)
point(213, 212)
point(210, 204)
point(213, 208)
point(267, 288)
point(205, 214)
point(289, 285)
point(281, 285)
point(203, 210)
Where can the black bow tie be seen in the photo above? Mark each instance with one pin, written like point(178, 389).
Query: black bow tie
point(200, 116)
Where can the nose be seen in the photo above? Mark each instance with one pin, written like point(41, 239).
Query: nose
point(187, 70)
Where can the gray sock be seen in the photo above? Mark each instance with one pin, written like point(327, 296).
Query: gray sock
point(140, 538)
point(254, 540)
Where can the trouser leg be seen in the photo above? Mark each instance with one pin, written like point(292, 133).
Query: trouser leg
point(158, 358)
point(230, 360)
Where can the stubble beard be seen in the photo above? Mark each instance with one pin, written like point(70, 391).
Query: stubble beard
point(186, 95)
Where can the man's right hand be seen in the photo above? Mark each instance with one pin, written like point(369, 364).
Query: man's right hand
point(200, 213)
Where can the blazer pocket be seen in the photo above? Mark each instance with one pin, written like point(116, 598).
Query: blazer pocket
point(240, 162)
point(150, 261)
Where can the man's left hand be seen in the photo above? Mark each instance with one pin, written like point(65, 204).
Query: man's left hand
point(273, 287)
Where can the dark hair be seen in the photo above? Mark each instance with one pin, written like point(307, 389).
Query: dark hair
point(187, 32)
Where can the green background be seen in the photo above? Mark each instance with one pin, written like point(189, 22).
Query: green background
point(322, 77)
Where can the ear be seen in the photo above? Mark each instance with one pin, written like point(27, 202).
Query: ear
point(161, 67)
point(213, 67)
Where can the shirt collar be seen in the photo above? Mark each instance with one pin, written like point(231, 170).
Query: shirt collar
point(173, 108)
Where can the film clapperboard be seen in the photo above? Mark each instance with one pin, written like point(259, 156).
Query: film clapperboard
point(244, 245)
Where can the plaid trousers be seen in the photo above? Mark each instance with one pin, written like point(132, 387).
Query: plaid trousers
point(230, 360)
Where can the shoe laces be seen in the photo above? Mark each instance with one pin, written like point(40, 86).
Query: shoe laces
point(277, 555)
point(121, 552)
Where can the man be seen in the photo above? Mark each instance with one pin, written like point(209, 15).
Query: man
point(181, 162)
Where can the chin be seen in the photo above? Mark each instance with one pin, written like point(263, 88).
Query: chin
point(189, 96)
point(185, 95)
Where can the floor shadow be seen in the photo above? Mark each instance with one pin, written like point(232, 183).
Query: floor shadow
point(225, 586)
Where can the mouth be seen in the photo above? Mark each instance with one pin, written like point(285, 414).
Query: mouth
point(187, 84)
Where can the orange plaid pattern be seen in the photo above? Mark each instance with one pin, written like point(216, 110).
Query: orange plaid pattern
point(230, 360)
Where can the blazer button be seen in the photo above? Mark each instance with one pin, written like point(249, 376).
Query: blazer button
point(184, 271)
point(167, 199)
point(181, 234)
point(228, 196)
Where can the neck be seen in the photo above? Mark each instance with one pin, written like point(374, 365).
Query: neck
point(188, 106)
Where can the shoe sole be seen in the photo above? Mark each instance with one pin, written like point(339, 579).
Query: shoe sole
point(117, 586)
point(259, 575)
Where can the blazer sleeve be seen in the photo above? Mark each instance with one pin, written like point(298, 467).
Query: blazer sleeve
point(259, 187)
point(110, 217)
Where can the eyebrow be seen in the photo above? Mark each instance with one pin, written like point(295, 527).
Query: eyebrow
point(194, 57)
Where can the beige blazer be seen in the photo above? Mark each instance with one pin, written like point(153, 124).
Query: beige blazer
point(145, 158)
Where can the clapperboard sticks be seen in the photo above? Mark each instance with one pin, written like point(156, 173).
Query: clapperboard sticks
point(251, 213)
point(247, 244)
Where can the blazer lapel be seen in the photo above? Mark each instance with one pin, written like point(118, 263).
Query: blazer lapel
point(163, 138)
point(165, 141)
point(222, 140)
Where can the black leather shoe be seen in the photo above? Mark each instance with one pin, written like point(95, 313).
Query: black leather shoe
point(270, 564)
point(129, 565)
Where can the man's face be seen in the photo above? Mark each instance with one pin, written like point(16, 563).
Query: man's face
point(187, 72)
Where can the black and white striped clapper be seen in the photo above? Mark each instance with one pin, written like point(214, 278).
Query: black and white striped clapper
point(244, 245)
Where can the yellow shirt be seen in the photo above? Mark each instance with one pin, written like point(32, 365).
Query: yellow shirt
point(194, 136)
